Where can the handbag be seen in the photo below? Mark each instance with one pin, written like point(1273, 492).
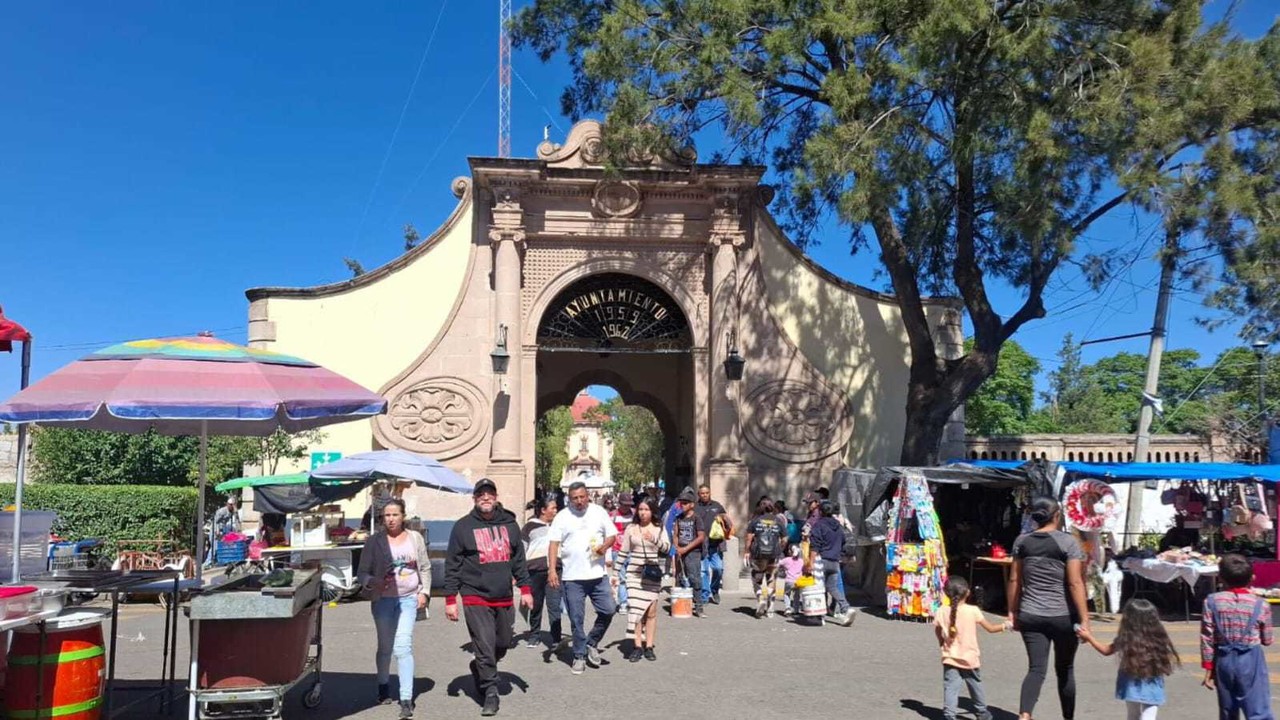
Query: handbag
point(650, 571)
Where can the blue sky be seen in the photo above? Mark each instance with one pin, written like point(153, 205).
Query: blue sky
point(156, 159)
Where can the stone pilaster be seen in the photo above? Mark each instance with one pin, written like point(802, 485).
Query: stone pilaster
point(726, 237)
point(506, 234)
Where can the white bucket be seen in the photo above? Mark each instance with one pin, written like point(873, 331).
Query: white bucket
point(813, 601)
point(682, 602)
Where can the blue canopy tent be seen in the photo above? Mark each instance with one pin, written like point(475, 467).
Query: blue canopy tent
point(1140, 472)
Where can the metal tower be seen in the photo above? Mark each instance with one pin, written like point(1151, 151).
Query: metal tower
point(504, 79)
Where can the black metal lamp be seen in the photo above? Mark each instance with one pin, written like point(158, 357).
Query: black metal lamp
point(734, 363)
point(500, 357)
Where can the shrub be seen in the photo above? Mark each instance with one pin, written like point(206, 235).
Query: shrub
point(113, 512)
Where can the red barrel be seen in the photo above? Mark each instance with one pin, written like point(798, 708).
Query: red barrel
point(74, 669)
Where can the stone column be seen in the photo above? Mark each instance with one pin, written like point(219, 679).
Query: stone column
point(507, 236)
point(725, 239)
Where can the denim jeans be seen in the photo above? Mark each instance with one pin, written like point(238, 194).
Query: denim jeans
point(393, 617)
point(835, 585)
point(712, 573)
point(576, 593)
point(620, 570)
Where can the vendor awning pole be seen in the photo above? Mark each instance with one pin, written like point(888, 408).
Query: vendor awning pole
point(1142, 444)
point(22, 470)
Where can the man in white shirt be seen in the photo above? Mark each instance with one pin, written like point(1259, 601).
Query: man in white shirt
point(581, 536)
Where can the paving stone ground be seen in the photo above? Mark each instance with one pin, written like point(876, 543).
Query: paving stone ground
point(726, 665)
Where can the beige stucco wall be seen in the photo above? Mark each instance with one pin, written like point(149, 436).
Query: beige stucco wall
point(856, 340)
point(372, 330)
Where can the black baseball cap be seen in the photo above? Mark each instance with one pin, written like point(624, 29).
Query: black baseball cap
point(484, 485)
point(687, 495)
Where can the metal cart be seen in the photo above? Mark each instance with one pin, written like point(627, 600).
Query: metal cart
point(230, 624)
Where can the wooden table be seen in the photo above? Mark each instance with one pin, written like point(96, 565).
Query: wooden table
point(1003, 563)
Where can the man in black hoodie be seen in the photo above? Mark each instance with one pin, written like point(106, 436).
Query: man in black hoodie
point(485, 554)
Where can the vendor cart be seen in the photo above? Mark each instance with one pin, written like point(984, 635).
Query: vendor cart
point(231, 676)
point(336, 562)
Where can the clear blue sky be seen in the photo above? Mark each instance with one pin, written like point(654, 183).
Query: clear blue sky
point(156, 159)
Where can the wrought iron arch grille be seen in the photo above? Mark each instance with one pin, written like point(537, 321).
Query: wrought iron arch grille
point(614, 312)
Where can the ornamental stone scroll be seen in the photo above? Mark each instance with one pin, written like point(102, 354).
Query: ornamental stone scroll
point(443, 417)
point(795, 421)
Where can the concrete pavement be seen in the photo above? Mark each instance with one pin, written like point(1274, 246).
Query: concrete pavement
point(726, 665)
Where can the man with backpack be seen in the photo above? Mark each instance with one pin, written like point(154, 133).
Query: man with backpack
point(766, 541)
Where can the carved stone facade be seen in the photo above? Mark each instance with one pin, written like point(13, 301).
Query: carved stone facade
point(645, 276)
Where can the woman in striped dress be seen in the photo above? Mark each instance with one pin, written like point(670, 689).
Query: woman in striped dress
point(644, 545)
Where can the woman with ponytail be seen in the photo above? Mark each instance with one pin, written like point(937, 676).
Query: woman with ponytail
point(1047, 605)
point(957, 628)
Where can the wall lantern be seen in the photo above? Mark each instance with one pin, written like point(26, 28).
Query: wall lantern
point(501, 358)
point(733, 362)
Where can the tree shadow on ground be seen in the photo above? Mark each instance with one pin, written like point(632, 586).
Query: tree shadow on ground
point(342, 695)
point(966, 705)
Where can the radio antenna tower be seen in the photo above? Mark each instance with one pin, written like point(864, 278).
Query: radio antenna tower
point(504, 79)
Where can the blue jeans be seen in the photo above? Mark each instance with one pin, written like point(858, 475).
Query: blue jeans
point(621, 573)
point(576, 593)
point(393, 617)
point(712, 573)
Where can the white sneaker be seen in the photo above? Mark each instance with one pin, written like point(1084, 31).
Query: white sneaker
point(846, 618)
point(593, 656)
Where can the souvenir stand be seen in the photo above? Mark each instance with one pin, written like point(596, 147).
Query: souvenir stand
point(915, 554)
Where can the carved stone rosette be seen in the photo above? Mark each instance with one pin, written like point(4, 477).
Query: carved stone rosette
point(443, 417)
point(795, 421)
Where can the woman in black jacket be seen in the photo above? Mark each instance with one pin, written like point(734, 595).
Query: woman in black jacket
point(395, 573)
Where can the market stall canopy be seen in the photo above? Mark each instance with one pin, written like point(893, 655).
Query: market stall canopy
point(1139, 472)
point(240, 483)
point(389, 464)
point(10, 333)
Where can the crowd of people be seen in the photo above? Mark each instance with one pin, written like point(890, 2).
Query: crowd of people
point(619, 556)
point(615, 553)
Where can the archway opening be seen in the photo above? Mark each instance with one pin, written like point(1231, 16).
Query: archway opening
point(601, 440)
point(629, 335)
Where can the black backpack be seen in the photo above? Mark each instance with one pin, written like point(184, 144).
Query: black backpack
point(767, 542)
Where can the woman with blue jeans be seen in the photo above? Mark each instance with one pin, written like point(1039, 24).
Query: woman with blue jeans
point(395, 572)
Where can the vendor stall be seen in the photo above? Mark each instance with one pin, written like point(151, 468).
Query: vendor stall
point(915, 555)
point(232, 623)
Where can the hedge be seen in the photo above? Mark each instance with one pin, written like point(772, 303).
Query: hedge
point(113, 512)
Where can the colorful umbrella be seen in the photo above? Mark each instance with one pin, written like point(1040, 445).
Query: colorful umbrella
point(421, 469)
point(191, 386)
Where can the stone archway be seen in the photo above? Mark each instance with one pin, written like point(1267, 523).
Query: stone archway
point(621, 330)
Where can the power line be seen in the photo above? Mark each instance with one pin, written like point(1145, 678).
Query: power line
point(444, 141)
point(404, 110)
point(89, 345)
point(536, 99)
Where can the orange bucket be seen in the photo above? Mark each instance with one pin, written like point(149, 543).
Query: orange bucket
point(681, 602)
point(74, 669)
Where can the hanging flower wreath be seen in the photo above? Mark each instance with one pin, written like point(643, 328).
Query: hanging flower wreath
point(1090, 505)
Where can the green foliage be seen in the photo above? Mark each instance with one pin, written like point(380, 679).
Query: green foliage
point(354, 265)
point(550, 457)
point(115, 512)
point(93, 457)
point(411, 237)
point(638, 449)
point(968, 140)
point(1004, 403)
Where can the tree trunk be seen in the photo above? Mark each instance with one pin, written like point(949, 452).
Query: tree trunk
point(933, 397)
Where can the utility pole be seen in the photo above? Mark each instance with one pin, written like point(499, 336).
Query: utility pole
point(1142, 444)
point(1260, 349)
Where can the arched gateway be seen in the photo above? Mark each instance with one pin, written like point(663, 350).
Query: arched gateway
point(647, 280)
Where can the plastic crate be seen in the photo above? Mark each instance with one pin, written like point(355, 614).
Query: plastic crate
point(231, 552)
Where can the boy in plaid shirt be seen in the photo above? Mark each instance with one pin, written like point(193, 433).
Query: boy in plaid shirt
point(1233, 628)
